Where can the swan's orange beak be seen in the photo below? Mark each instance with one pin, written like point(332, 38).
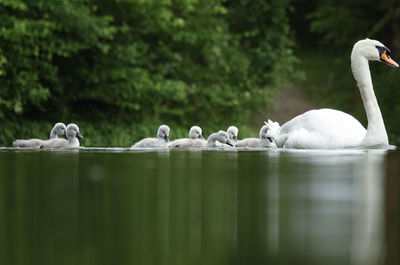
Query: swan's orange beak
point(389, 61)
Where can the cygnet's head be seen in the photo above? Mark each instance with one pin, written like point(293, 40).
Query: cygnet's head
point(59, 128)
point(265, 135)
point(233, 133)
point(163, 133)
point(195, 133)
point(73, 131)
point(373, 50)
point(223, 137)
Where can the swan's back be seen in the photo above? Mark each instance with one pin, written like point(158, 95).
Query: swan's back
point(249, 142)
point(55, 143)
point(325, 128)
point(183, 142)
point(254, 142)
point(188, 143)
point(149, 143)
point(27, 143)
point(58, 129)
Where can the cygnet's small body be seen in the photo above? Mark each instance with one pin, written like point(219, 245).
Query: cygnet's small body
point(221, 137)
point(72, 139)
point(58, 129)
point(233, 136)
point(265, 140)
point(195, 139)
point(159, 142)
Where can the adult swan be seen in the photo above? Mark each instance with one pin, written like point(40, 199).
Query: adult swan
point(328, 128)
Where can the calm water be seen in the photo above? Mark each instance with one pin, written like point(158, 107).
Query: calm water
point(112, 206)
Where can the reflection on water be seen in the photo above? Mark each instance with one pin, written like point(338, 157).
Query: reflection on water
point(98, 206)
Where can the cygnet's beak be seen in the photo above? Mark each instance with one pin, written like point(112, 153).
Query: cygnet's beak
point(79, 135)
point(166, 138)
point(269, 139)
point(229, 143)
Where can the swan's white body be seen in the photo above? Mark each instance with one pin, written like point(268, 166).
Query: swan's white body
point(195, 139)
point(71, 142)
point(159, 142)
point(58, 129)
point(263, 141)
point(328, 128)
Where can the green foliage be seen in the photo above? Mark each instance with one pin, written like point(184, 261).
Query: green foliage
point(343, 22)
point(119, 68)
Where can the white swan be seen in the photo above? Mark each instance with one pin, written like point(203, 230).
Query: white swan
point(195, 133)
point(72, 139)
point(328, 128)
point(58, 129)
point(265, 140)
point(160, 141)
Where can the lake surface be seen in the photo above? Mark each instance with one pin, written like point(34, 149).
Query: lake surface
point(113, 206)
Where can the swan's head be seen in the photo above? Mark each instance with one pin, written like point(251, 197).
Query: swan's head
point(233, 133)
point(59, 128)
point(373, 50)
point(163, 133)
point(73, 131)
point(223, 137)
point(195, 133)
point(265, 135)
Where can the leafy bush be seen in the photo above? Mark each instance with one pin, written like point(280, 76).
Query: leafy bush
point(130, 65)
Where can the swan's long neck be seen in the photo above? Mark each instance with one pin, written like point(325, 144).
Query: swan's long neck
point(53, 133)
point(211, 139)
point(376, 132)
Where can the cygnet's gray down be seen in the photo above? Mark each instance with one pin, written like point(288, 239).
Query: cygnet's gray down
point(195, 139)
point(58, 129)
point(159, 142)
point(72, 139)
point(232, 132)
point(220, 136)
point(265, 140)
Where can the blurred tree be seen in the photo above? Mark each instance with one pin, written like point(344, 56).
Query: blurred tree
point(343, 22)
point(38, 40)
point(121, 62)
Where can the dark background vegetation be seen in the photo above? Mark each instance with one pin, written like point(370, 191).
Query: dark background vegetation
point(120, 68)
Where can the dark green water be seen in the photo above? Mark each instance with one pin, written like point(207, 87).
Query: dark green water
point(199, 207)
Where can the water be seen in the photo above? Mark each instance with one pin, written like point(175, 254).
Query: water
point(112, 206)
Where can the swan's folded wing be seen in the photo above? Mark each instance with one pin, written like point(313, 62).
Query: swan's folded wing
point(249, 142)
point(149, 143)
point(28, 143)
point(55, 143)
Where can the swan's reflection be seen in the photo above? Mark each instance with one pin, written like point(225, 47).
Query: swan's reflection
point(334, 205)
